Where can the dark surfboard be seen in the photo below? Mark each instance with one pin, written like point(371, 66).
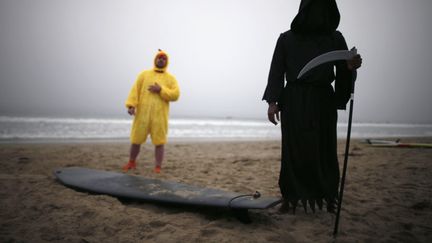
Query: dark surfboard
point(154, 190)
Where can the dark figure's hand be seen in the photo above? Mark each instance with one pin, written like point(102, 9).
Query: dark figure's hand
point(355, 62)
point(273, 113)
point(155, 88)
point(131, 110)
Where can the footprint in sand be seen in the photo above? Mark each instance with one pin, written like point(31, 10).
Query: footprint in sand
point(157, 224)
point(421, 205)
point(208, 232)
point(23, 160)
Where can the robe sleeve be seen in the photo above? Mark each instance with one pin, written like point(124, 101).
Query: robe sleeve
point(276, 78)
point(343, 80)
point(170, 92)
point(133, 97)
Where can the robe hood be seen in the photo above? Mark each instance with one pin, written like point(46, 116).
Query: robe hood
point(316, 17)
point(160, 53)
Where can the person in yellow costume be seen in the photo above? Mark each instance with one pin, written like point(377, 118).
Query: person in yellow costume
point(148, 101)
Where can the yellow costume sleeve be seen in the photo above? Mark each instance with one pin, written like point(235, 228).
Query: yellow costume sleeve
point(171, 91)
point(133, 98)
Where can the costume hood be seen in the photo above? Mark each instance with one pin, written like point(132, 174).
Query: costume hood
point(160, 53)
point(316, 17)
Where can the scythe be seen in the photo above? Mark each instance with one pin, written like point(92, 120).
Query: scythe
point(330, 57)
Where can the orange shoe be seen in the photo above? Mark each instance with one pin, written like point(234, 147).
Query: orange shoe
point(129, 166)
point(157, 169)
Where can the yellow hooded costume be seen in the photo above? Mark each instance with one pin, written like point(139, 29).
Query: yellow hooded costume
point(152, 109)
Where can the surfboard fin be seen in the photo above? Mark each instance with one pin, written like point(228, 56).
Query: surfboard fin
point(242, 215)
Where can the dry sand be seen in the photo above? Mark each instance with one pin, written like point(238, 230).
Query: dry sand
point(388, 196)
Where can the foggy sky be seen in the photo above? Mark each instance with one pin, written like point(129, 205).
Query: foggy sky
point(80, 58)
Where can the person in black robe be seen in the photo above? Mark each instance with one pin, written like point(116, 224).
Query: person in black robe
point(308, 106)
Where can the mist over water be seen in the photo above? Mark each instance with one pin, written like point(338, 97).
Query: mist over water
point(80, 58)
point(13, 129)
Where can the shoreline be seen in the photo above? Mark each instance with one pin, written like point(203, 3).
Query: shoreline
point(126, 140)
point(188, 140)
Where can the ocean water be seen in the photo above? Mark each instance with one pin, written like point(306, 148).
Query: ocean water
point(40, 128)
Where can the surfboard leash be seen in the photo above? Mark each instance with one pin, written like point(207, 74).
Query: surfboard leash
point(255, 195)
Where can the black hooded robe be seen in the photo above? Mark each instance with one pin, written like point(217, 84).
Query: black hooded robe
point(309, 168)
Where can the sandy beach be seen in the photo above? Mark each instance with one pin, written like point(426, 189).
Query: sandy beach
point(388, 195)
